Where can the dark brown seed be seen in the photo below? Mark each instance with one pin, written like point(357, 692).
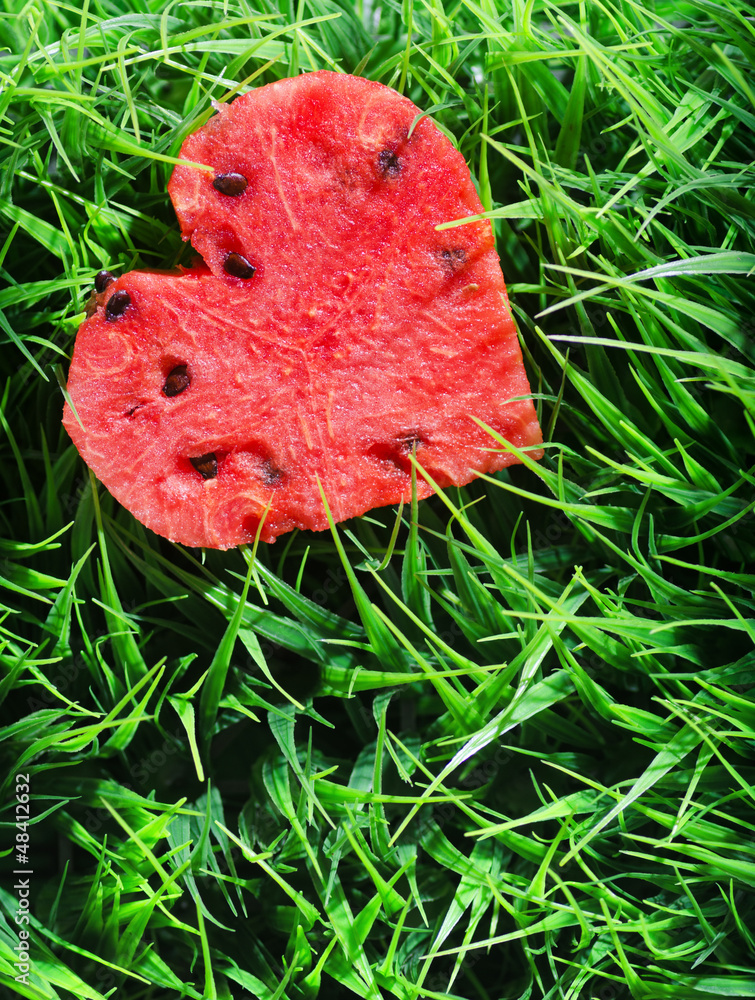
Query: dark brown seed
point(410, 441)
point(206, 465)
point(408, 444)
point(177, 381)
point(117, 304)
point(101, 280)
point(454, 259)
point(388, 163)
point(231, 185)
point(271, 475)
point(238, 266)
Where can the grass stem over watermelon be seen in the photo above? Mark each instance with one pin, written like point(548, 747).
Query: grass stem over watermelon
point(331, 333)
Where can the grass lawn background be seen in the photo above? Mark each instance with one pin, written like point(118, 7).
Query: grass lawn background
point(499, 748)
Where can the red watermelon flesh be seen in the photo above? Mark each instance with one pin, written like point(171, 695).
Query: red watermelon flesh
point(332, 334)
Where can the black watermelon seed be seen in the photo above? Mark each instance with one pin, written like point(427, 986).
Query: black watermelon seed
point(271, 475)
point(455, 258)
point(101, 281)
point(231, 185)
point(206, 465)
point(117, 304)
point(407, 444)
point(388, 163)
point(238, 266)
point(177, 381)
point(410, 441)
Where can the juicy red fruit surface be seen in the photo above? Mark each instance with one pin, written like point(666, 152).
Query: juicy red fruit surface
point(333, 333)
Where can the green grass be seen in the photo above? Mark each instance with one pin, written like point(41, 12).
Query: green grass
point(507, 754)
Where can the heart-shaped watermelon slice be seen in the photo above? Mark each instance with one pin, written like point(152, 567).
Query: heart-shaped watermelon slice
point(332, 333)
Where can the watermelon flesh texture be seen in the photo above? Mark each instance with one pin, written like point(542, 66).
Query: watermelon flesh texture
point(331, 334)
